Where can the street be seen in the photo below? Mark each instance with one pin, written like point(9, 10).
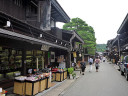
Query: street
point(106, 82)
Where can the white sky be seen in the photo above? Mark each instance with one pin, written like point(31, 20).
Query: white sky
point(105, 16)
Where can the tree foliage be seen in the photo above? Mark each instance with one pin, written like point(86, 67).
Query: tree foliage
point(101, 47)
point(85, 31)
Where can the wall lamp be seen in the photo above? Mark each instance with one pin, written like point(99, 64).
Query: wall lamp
point(40, 35)
point(56, 41)
point(8, 24)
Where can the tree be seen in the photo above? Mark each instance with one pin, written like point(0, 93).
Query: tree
point(101, 47)
point(85, 31)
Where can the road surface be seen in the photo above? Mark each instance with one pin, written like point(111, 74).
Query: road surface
point(106, 82)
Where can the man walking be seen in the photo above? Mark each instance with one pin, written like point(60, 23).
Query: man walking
point(90, 61)
point(83, 66)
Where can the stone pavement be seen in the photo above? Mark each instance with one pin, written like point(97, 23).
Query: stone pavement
point(115, 66)
point(60, 87)
point(106, 82)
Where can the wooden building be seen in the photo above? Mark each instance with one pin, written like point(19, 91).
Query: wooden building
point(119, 45)
point(28, 34)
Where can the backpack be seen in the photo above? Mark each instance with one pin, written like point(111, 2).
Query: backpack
point(82, 64)
point(97, 61)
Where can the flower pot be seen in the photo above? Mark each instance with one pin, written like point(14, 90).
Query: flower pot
point(71, 76)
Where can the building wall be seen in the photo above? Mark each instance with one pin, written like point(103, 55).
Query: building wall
point(13, 8)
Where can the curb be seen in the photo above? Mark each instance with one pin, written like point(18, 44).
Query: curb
point(44, 92)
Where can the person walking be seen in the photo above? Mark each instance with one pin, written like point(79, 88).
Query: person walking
point(90, 61)
point(83, 66)
point(97, 61)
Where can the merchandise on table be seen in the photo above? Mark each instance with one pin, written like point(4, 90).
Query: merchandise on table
point(31, 85)
point(21, 78)
point(58, 74)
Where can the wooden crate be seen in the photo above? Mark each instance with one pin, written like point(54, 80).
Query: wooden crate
point(48, 83)
point(42, 85)
point(59, 76)
point(53, 76)
point(19, 87)
point(32, 87)
point(65, 74)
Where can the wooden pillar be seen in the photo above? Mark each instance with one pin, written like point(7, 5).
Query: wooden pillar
point(23, 70)
point(68, 60)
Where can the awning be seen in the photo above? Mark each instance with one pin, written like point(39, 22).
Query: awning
point(33, 40)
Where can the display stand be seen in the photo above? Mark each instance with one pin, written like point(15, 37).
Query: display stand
point(59, 76)
point(42, 85)
point(48, 82)
point(64, 75)
point(32, 87)
point(19, 87)
point(53, 76)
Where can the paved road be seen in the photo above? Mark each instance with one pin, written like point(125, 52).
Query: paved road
point(106, 82)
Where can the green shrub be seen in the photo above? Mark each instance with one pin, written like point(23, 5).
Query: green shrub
point(73, 74)
point(70, 70)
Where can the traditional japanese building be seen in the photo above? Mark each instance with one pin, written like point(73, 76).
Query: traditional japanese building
point(29, 37)
point(119, 45)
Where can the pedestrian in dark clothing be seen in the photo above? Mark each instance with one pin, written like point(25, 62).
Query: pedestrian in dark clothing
point(83, 66)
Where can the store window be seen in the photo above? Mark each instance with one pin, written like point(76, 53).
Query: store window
point(10, 63)
point(34, 59)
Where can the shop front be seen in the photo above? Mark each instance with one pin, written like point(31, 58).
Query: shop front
point(29, 50)
point(59, 64)
point(25, 64)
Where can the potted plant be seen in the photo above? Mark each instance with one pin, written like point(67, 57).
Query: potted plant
point(73, 75)
point(70, 71)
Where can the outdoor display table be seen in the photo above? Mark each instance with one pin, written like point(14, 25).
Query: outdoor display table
point(42, 84)
point(59, 76)
point(48, 82)
point(64, 75)
point(53, 75)
point(32, 87)
point(19, 87)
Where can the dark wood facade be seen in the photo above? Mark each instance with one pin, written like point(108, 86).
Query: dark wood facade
point(119, 44)
point(27, 33)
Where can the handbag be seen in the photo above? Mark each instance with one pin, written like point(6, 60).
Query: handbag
point(97, 65)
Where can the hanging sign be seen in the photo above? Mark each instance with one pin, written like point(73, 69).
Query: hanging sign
point(74, 54)
point(45, 47)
